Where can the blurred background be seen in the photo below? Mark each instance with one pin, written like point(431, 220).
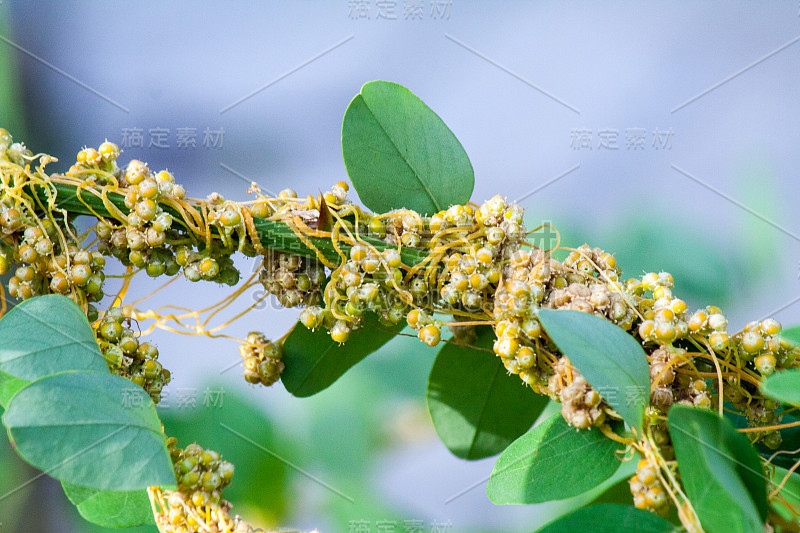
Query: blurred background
point(665, 133)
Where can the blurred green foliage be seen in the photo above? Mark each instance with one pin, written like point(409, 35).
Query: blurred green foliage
point(216, 422)
point(705, 271)
point(11, 110)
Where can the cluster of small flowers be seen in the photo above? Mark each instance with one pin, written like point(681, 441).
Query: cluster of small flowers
point(665, 319)
point(597, 271)
point(760, 344)
point(262, 359)
point(211, 264)
point(16, 153)
point(338, 194)
point(469, 277)
point(46, 267)
point(365, 282)
point(758, 347)
point(648, 494)
point(581, 405)
point(764, 412)
point(129, 358)
point(142, 240)
point(670, 387)
point(294, 280)
point(98, 164)
point(467, 247)
point(197, 505)
point(586, 281)
point(224, 214)
point(47, 256)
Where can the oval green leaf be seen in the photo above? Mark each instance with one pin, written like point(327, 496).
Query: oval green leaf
point(552, 461)
point(720, 470)
point(399, 153)
point(783, 385)
point(42, 336)
point(610, 518)
point(792, 335)
point(609, 358)
point(477, 408)
point(94, 430)
point(111, 508)
point(314, 361)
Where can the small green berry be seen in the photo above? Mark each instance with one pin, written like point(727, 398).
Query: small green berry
point(110, 330)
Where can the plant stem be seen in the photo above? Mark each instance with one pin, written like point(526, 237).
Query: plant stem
point(273, 234)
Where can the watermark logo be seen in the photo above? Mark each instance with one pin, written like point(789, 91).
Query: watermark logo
point(612, 139)
point(395, 10)
point(159, 138)
point(403, 526)
point(185, 398)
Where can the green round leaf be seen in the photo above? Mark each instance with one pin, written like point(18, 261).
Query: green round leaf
point(792, 335)
point(552, 461)
point(477, 408)
point(783, 385)
point(314, 361)
point(609, 358)
point(109, 508)
point(399, 153)
point(720, 471)
point(90, 429)
point(42, 336)
point(610, 518)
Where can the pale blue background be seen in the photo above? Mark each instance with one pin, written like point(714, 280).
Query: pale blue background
point(621, 64)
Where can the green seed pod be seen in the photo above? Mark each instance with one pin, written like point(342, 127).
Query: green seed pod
point(225, 471)
point(303, 282)
point(155, 268)
point(261, 210)
point(147, 350)
point(190, 480)
point(210, 458)
point(230, 218)
point(11, 220)
point(229, 276)
point(192, 272)
point(98, 261)
point(209, 268)
point(154, 237)
point(135, 239)
point(251, 364)
point(113, 356)
point(148, 189)
point(162, 222)
point(81, 274)
point(311, 317)
point(129, 344)
point(110, 330)
point(355, 309)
